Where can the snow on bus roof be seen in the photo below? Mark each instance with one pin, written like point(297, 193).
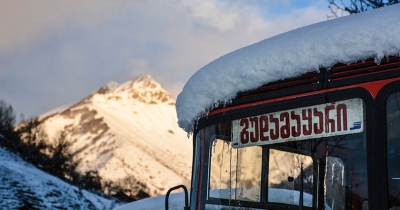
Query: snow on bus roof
point(372, 34)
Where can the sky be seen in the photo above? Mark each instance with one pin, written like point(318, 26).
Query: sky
point(55, 53)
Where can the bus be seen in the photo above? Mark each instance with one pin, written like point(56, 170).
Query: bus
point(309, 119)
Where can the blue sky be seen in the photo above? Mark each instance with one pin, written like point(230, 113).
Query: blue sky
point(54, 53)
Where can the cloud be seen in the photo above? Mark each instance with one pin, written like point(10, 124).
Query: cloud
point(200, 40)
point(220, 15)
point(25, 24)
point(140, 66)
point(56, 52)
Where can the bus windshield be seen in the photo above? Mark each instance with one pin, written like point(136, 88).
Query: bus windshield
point(308, 168)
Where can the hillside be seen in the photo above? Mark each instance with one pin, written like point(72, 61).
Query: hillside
point(129, 133)
point(23, 186)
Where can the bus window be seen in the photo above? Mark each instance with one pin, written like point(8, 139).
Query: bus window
point(345, 182)
point(393, 149)
point(284, 177)
point(235, 173)
point(335, 181)
point(334, 172)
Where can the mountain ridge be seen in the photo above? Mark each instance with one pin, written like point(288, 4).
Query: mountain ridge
point(142, 88)
point(128, 132)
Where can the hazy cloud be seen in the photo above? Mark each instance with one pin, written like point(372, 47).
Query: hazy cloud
point(54, 53)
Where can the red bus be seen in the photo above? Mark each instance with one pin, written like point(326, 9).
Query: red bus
point(330, 137)
point(323, 138)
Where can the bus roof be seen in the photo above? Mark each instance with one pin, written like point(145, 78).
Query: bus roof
point(372, 34)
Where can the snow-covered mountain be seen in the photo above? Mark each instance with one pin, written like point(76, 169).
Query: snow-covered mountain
point(127, 132)
point(23, 186)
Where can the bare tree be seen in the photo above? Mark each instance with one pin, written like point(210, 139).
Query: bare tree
point(357, 6)
point(33, 141)
point(7, 118)
point(61, 162)
point(91, 181)
point(33, 133)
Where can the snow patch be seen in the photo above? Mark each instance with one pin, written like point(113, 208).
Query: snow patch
point(24, 184)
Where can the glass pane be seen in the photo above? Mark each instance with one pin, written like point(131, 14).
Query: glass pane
point(223, 169)
point(393, 149)
point(335, 183)
point(284, 183)
point(196, 169)
point(249, 174)
point(235, 173)
point(345, 169)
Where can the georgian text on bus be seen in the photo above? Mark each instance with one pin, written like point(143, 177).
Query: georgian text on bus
point(323, 120)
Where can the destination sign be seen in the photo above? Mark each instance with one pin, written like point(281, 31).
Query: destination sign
point(323, 120)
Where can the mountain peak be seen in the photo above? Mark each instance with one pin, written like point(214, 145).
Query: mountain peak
point(109, 87)
point(143, 78)
point(144, 89)
point(143, 82)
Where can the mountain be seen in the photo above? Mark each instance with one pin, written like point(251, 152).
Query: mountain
point(23, 186)
point(129, 134)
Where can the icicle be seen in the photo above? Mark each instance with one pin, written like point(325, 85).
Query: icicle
point(378, 58)
point(377, 61)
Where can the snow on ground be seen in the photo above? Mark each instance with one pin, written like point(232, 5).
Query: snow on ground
point(177, 200)
point(372, 34)
point(24, 185)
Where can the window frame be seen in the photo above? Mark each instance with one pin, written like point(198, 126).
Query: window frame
point(380, 163)
point(302, 101)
